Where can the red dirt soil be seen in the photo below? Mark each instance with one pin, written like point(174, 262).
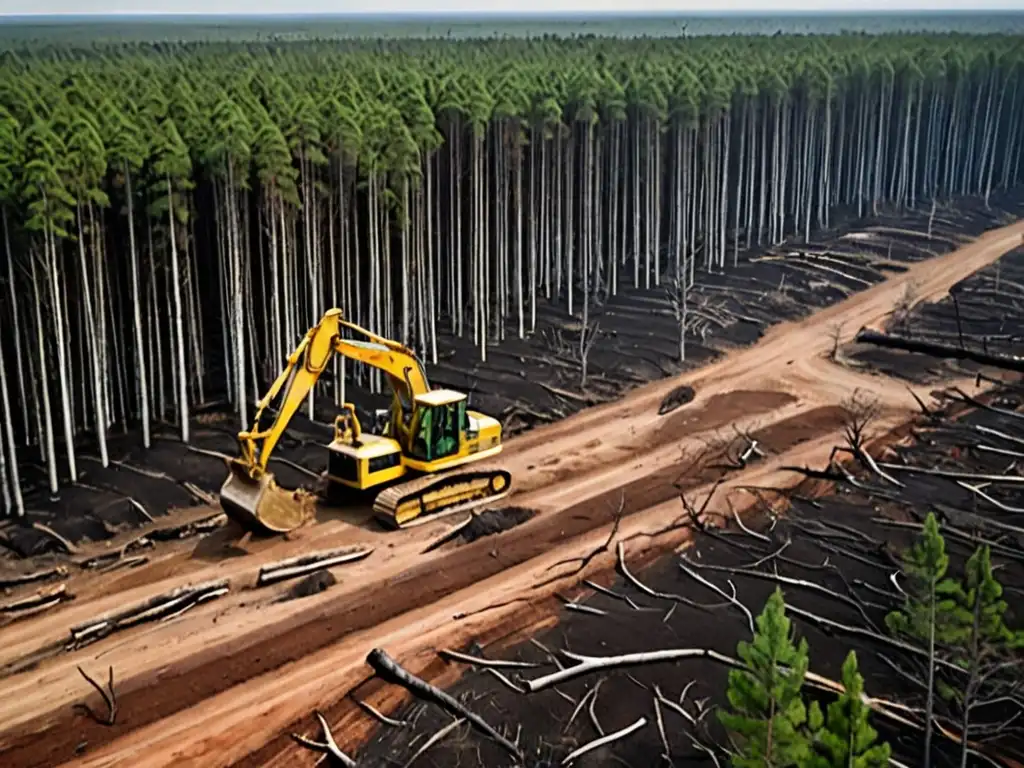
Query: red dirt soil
point(223, 682)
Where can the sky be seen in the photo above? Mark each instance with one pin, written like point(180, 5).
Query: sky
point(524, 7)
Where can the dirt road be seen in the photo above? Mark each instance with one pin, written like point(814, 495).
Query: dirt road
point(224, 680)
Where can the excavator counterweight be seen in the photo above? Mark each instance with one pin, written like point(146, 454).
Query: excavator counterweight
point(413, 465)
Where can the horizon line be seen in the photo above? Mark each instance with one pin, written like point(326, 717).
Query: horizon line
point(538, 14)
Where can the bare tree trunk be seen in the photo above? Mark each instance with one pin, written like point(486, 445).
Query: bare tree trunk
point(140, 358)
point(44, 384)
point(18, 504)
point(179, 329)
point(62, 364)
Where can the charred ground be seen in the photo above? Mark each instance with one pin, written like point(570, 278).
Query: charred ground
point(841, 541)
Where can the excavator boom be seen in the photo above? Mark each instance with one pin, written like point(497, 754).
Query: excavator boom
point(419, 416)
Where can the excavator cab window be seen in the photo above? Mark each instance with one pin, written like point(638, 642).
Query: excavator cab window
point(437, 436)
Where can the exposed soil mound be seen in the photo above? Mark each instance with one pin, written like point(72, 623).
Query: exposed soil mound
point(494, 521)
point(314, 584)
point(677, 397)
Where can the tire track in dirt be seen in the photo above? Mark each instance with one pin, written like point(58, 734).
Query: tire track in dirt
point(163, 685)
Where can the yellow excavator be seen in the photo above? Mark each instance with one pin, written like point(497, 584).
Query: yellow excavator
point(426, 433)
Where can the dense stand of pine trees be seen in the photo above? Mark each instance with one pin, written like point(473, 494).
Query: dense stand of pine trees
point(175, 216)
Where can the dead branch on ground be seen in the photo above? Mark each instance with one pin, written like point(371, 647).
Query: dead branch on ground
point(109, 696)
point(208, 452)
point(861, 411)
point(589, 664)
point(612, 593)
point(434, 740)
point(204, 496)
point(611, 737)
point(951, 475)
point(131, 562)
point(715, 588)
point(736, 451)
point(328, 746)
point(466, 658)
point(393, 672)
point(572, 605)
point(380, 716)
point(166, 533)
point(695, 516)
point(697, 722)
point(965, 398)
point(776, 577)
point(679, 599)
point(585, 560)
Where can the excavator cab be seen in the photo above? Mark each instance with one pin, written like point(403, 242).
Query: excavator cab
point(380, 421)
point(445, 430)
point(440, 429)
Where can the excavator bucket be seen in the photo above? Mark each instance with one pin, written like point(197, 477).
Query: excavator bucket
point(262, 506)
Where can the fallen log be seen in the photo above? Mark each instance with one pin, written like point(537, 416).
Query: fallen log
point(393, 672)
point(890, 341)
point(300, 566)
point(590, 664)
point(41, 600)
point(17, 579)
point(165, 606)
point(953, 475)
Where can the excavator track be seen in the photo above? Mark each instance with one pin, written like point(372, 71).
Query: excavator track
point(432, 496)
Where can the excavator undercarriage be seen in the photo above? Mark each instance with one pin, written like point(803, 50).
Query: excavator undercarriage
point(431, 496)
point(412, 468)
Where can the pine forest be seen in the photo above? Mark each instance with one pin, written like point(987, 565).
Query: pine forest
point(176, 216)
